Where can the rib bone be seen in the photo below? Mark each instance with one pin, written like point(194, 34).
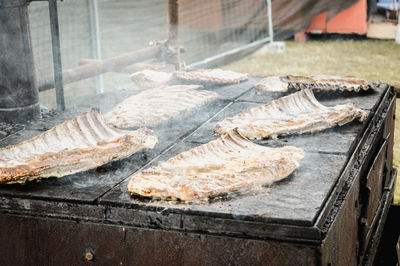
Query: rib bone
point(318, 82)
point(77, 145)
point(229, 163)
point(156, 106)
point(211, 76)
point(297, 113)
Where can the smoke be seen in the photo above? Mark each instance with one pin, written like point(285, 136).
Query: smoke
point(123, 26)
point(126, 26)
point(205, 28)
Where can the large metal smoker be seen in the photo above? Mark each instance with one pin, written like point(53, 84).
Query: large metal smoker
point(331, 213)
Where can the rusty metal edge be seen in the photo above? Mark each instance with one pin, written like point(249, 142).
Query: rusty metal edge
point(379, 222)
point(335, 201)
point(157, 219)
point(366, 236)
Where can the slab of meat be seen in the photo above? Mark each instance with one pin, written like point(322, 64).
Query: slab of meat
point(227, 164)
point(210, 76)
point(274, 84)
point(318, 82)
point(151, 79)
point(76, 145)
point(156, 106)
point(297, 113)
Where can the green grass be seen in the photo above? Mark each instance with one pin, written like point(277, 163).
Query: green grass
point(369, 59)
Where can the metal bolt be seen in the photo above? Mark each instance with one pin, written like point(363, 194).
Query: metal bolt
point(89, 256)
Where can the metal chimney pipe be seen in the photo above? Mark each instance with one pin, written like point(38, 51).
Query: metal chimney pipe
point(19, 96)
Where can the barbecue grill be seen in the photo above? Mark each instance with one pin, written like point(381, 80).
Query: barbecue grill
point(330, 212)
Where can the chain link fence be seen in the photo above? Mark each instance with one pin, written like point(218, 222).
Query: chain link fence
point(206, 28)
point(75, 44)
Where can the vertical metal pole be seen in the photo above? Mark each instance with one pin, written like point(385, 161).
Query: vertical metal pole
point(270, 26)
point(95, 40)
point(173, 30)
point(55, 41)
point(397, 39)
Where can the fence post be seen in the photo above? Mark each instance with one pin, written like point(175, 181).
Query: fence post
point(270, 26)
point(173, 30)
point(398, 30)
point(95, 42)
point(55, 41)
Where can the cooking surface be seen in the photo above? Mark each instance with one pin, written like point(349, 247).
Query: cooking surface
point(90, 185)
point(296, 200)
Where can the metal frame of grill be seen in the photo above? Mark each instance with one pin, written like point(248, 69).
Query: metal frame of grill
point(339, 223)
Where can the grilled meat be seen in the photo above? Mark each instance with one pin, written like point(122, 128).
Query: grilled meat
point(318, 82)
point(210, 76)
point(151, 79)
point(226, 164)
point(274, 84)
point(297, 113)
point(77, 145)
point(156, 106)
